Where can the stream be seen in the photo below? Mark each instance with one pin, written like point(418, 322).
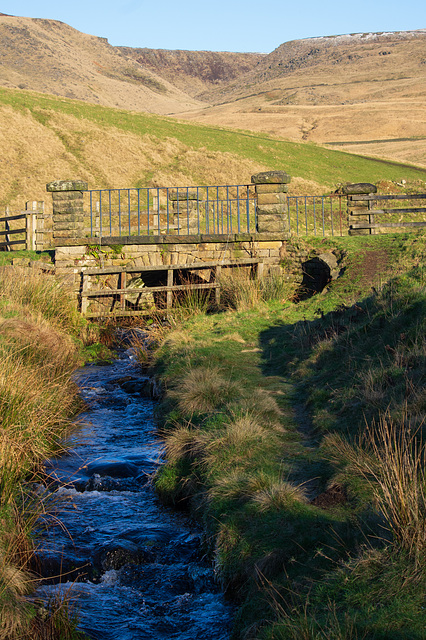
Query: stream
point(134, 568)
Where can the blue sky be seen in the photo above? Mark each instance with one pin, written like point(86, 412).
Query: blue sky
point(223, 25)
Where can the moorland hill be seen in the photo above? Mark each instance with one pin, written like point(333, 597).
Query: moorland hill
point(362, 93)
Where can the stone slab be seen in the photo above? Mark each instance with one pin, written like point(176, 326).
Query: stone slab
point(68, 206)
point(272, 226)
point(62, 226)
point(67, 185)
point(244, 237)
point(67, 217)
point(271, 177)
point(277, 244)
point(271, 188)
point(359, 188)
point(67, 196)
point(271, 198)
point(268, 209)
point(182, 194)
point(66, 233)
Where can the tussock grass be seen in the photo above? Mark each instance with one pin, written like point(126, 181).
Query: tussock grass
point(242, 431)
point(41, 294)
point(184, 443)
point(238, 484)
point(204, 390)
point(278, 495)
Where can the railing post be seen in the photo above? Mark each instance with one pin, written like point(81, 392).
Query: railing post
point(358, 210)
point(68, 219)
point(271, 208)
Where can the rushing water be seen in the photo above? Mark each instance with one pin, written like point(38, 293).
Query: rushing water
point(134, 567)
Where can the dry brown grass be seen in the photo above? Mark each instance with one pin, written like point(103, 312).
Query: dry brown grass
point(185, 442)
point(391, 458)
point(239, 290)
point(14, 584)
point(64, 146)
point(373, 97)
point(89, 68)
point(39, 294)
point(41, 346)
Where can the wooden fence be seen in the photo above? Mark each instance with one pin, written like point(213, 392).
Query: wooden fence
point(366, 216)
point(188, 274)
point(23, 230)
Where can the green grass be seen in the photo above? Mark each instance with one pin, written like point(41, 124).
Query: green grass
point(306, 160)
point(7, 257)
point(302, 383)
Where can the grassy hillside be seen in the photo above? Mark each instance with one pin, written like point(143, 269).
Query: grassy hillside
point(44, 138)
point(294, 433)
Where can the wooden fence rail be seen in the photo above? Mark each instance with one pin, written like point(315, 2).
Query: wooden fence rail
point(362, 213)
point(30, 232)
point(121, 293)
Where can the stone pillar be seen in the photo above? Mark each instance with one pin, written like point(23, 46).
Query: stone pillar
point(185, 210)
point(271, 209)
point(68, 219)
point(358, 208)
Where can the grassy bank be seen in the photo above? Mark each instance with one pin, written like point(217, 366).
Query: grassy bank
point(51, 137)
point(293, 433)
point(41, 343)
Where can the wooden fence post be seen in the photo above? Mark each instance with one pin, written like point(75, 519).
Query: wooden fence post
point(7, 228)
point(37, 209)
point(169, 294)
point(217, 279)
point(30, 231)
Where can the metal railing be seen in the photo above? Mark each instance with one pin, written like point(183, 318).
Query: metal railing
point(317, 215)
point(179, 210)
point(216, 210)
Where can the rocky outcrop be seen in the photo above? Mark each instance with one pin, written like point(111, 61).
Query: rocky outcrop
point(194, 72)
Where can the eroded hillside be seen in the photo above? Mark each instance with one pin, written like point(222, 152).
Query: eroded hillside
point(195, 72)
